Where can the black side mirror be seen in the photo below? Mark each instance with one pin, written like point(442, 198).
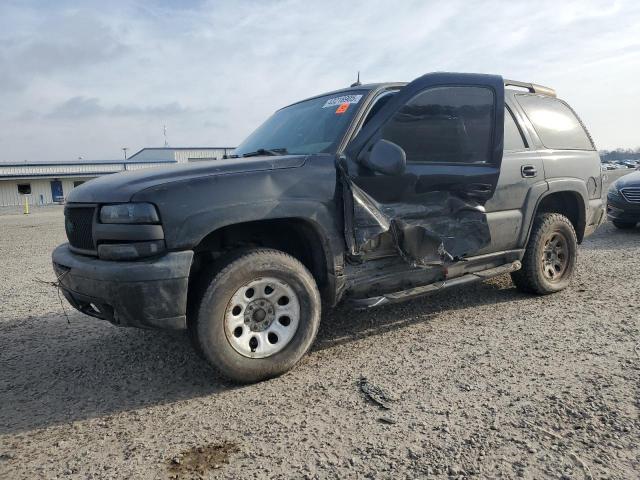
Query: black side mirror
point(387, 158)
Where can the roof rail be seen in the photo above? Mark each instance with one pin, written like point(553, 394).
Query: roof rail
point(531, 87)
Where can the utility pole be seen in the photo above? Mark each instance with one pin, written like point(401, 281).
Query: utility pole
point(124, 149)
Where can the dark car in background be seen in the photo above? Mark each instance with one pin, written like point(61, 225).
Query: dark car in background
point(623, 201)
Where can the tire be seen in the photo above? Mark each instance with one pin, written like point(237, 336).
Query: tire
point(550, 258)
point(238, 333)
point(623, 225)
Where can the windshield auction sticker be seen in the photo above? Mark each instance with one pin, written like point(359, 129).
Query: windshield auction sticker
point(348, 99)
point(342, 108)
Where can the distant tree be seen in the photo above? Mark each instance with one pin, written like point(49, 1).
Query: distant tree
point(619, 154)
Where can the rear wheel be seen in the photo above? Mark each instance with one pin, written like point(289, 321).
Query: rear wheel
point(257, 316)
point(623, 225)
point(550, 258)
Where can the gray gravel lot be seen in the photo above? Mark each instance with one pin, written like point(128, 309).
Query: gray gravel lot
point(485, 381)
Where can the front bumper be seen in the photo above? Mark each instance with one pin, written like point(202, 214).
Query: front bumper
point(622, 211)
point(148, 293)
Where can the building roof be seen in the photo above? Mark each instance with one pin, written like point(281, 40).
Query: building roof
point(67, 163)
point(171, 153)
point(143, 158)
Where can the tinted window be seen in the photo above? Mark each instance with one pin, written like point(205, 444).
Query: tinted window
point(512, 136)
point(555, 123)
point(379, 103)
point(445, 124)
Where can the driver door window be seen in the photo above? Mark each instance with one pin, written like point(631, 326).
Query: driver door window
point(445, 125)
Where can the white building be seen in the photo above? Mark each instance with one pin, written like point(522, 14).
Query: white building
point(44, 183)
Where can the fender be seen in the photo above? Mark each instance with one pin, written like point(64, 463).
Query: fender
point(317, 216)
point(192, 209)
point(556, 185)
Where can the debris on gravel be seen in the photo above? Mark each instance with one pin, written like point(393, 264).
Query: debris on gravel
point(199, 461)
point(375, 394)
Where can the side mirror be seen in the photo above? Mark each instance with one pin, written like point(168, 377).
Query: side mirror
point(387, 158)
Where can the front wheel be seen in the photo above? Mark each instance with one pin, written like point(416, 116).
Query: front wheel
point(550, 258)
point(257, 316)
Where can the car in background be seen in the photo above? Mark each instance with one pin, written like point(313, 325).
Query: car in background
point(623, 201)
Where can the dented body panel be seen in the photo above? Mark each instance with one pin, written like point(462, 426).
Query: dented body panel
point(431, 213)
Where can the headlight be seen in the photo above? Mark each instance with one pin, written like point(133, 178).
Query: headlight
point(129, 213)
point(613, 190)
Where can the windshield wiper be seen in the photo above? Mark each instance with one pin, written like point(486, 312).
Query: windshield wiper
point(266, 151)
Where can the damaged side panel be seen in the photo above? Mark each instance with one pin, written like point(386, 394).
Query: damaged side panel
point(418, 174)
point(439, 228)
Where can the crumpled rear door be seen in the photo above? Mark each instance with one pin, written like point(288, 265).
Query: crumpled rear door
point(451, 129)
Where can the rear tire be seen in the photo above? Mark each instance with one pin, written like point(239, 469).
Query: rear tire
point(550, 258)
point(623, 225)
point(243, 326)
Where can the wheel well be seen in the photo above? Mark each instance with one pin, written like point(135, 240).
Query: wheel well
point(299, 238)
point(569, 204)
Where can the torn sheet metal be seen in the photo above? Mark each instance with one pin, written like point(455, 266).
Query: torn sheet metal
point(435, 228)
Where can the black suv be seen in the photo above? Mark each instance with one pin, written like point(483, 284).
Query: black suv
point(375, 194)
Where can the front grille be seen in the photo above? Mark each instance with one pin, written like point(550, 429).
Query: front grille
point(631, 194)
point(78, 223)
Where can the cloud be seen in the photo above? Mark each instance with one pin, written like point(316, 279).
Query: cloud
point(86, 78)
point(58, 43)
point(80, 107)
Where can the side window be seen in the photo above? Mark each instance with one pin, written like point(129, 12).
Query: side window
point(379, 103)
point(24, 188)
point(445, 125)
point(555, 123)
point(512, 136)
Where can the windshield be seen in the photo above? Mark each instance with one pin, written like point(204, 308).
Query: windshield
point(312, 126)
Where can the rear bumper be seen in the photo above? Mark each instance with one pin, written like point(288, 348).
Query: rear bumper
point(146, 294)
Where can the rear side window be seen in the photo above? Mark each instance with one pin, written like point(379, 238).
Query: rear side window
point(555, 123)
point(512, 137)
point(445, 125)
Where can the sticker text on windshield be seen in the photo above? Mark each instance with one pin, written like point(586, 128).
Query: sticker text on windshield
point(334, 102)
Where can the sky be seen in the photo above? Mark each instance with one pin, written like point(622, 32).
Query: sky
point(85, 79)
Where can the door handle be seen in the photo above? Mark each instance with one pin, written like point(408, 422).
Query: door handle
point(528, 171)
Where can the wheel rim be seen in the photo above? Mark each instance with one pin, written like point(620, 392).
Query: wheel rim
point(555, 257)
point(262, 317)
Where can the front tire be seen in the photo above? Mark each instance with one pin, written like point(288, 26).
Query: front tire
point(257, 315)
point(550, 258)
point(623, 225)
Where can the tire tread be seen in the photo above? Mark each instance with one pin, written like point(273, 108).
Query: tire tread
point(528, 279)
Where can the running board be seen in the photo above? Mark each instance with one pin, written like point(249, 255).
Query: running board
point(363, 303)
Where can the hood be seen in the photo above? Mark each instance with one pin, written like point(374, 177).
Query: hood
point(120, 187)
point(630, 180)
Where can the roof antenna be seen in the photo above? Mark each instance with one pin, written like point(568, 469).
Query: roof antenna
point(357, 83)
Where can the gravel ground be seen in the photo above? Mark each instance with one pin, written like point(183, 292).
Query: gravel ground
point(481, 381)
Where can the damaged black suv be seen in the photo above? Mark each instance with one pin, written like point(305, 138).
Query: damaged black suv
point(373, 194)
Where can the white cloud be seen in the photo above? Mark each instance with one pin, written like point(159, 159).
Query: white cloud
point(87, 79)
